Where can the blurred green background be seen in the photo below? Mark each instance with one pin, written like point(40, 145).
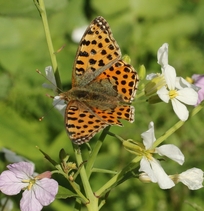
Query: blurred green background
point(140, 28)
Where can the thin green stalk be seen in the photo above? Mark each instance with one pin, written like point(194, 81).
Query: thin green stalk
point(118, 177)
point(176, 127)
point(95, 151)
point(92, 204)
point(41, 8)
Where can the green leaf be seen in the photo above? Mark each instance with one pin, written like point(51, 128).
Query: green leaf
point(64, 193)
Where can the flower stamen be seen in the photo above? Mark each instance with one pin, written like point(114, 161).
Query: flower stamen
point(173, 94)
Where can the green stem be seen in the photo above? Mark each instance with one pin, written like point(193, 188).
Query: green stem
point(95, 151)
point(176, 127)
point(92, 204)
point(118, 177)
point(41, 8)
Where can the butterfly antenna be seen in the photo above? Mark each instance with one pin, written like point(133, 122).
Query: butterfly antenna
point(59, 50)
point(53, 106)
point(39, 72)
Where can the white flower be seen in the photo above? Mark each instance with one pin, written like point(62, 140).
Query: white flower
point(177, 89)
point(58, 103)
point(50, 77)
point(192, 178)
point(151, 166)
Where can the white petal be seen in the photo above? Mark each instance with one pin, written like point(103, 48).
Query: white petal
point(145, 167)
point(50, 77)
point(170, 76)
point(182, 83)
point(162, 55)
point(180, 109)
point(163, 179)
point(148, 136)
point(59, 104)
point(188, 96)
point(193, 178)
point(163, 93)
point(156, 173)
point(172, 152)
point(151, 76)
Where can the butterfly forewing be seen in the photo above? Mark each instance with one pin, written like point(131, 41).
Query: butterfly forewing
point(97, 51)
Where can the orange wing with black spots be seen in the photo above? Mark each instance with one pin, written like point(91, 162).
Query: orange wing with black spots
point(82, 123)
point(124, 80)
point(97, 51)
point(103, 86)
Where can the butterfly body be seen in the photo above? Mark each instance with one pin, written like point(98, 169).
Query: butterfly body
point(103, 86)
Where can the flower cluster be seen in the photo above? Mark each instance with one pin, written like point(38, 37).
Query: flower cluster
point(152, 169)
point(173, 88)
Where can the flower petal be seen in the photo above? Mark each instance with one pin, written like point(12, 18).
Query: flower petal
point(148, 136)
point(29, 202)
point(59, 104)
point(170, 76)
point(163, 94)
point(51, 78)
point(164, 181)
point(22, 170)
point(156, 173)
point(145, 167)
point(188, 96)
point(162, 55)
point(172, 152)
point(10, 184)
point(180, 109)
point(45, 190)
point(192, 178)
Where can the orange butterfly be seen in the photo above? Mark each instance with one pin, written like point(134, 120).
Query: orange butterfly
point(103, 86)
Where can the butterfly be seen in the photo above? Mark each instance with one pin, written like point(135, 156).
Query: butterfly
point(103, 85)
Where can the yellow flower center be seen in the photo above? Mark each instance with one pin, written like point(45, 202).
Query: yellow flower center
point(173, 94)
point(30, 182)
point(148, 154)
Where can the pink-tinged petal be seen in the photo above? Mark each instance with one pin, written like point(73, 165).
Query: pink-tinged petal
point(10, 184)
point(163, 179)
point(22, 170)
point(162, 55)
point(163, 94)
point(145, 167)
point(170, 77)
point(45, 190)
point(199, 81)
point(172, 152)
point(29, 202)
point(180, 109)
point(148, 136)
point(188, 96)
